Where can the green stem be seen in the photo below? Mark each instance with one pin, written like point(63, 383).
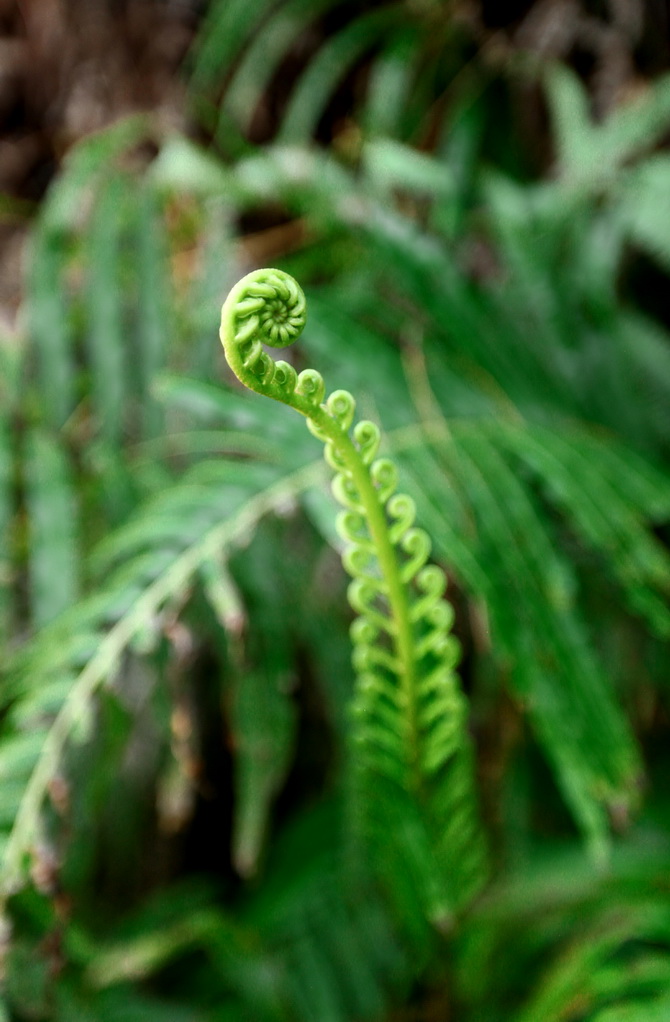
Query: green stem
point(390, 569)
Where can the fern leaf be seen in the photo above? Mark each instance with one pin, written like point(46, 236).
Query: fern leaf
point(604, 510)
point(154, 307)
point(390, 78)
point(563, 939)
point(53, 515)
point(511, 563)
point(328, 68)
point(50, 325)
point(78, 653)
point(411, 745)
point(585, 969)
point(656, 1010)
point(6, 520)
point(105, 300)
point(590, 153)
point(264, 55)
point(223, 33)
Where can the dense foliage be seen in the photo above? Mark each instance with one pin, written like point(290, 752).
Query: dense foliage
point(187, 776)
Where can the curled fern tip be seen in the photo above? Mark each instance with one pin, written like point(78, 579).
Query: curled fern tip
point(267, 307)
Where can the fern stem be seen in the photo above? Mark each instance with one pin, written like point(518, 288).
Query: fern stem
point(390, 569)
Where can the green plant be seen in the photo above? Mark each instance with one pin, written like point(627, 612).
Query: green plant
point(182, 778)
point(402, 58)
point(413, 762)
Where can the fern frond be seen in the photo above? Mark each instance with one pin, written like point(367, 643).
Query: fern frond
point(622, 957)
point(155, 319)
point(263, 57)
point(225, 29)
point(50, 325)
point(53, 513)
point(605, 767)
point(564, 940)
point(55, 678)
point(499, 545)
point(105, 307)
point(6, 515)
point(410, 739)
point(606, 508)
point(329, 67)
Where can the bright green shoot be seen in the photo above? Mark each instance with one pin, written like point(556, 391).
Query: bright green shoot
point(415, 798)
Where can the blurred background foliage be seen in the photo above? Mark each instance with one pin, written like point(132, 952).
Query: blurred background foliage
point(476, 198)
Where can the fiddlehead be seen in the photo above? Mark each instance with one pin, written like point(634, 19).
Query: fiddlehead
point(409, 712)
point(268, 307)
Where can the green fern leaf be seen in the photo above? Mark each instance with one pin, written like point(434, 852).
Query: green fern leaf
point(55, 678)
point(52, 513)
point(505, 556)
point(412, 754)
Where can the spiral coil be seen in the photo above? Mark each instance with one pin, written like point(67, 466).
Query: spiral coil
point(268, 307)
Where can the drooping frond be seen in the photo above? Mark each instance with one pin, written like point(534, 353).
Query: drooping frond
point(152, 565)
point(489, 527)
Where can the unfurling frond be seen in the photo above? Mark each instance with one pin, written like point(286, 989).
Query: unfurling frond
point(412, 760)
